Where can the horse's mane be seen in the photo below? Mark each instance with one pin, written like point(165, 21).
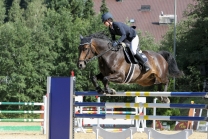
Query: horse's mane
point(99, 35)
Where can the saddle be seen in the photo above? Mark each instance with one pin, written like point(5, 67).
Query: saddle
point(129, 55)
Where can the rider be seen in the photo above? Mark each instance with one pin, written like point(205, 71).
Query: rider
point(126, 32)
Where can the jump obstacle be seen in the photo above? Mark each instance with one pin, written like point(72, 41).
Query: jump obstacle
point(27, 128)
point(61, 107)
point(114, 125)
point(156, 135)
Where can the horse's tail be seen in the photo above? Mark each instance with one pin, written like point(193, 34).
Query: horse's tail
point(172, 65)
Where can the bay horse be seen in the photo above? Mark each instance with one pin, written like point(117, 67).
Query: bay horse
point(114, 67)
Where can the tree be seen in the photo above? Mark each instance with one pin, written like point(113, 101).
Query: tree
point(103, 7)
point(12, 42)
point(15, 12)
point(88, 9)
point(192, 36)
point(196, 37)
point(192, 40)
point(2, 12)
point(25, 54)
point(147, 42)
point(41, 53)
point(57, 4)
point(74, 6)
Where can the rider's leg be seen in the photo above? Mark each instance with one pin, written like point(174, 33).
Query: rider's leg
point(134, 44)
point(143, 61)
point(138, 55)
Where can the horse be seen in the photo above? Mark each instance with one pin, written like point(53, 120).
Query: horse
point(115, 68)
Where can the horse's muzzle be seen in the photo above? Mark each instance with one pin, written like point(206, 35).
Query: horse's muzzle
point(81, 64)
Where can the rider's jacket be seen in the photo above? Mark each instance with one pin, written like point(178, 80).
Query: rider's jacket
point(122, 30)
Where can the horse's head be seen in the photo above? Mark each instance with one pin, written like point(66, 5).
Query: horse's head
point(86, 51)
point(92, 47)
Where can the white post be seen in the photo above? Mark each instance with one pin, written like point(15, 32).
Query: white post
point(48, 107)
point(200, 113)
point(98, 112)
point(136, 113)
point(45, 114)
point(145, 121)
point(131, 134)
point(154, 113)
point(97, 133)
point(81, 119)
point(207, 132)
point(149, 134)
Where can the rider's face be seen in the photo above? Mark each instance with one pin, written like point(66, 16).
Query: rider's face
point(106, 23)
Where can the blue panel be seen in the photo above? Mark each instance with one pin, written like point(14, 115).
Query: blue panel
point(59, 108)
point(187, 118)
point(202, 106)
point(87, 93)
point(95, 104)
point(188, 94)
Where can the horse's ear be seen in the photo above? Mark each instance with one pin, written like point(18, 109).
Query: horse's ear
point(81, 37)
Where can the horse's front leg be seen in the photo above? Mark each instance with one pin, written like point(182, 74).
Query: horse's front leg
point(95, 82)
point(112, 78)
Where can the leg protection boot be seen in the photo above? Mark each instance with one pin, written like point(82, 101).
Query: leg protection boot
point(142, 60)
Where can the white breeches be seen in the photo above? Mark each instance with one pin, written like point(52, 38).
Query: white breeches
point(134, 44)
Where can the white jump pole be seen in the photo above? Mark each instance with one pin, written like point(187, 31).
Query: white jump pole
point(154, 113)
point(45, 114)
point(98, 112)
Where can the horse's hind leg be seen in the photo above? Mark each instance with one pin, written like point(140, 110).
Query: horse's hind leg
point(166, 99)
point(95, 83)
point(166, 87)
point(162, 98)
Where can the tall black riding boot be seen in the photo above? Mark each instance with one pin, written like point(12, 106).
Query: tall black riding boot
point(143, 61)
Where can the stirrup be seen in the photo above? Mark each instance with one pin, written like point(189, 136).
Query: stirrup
point(146, 67)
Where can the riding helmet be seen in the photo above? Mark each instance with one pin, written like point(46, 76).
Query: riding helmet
point(106, 16)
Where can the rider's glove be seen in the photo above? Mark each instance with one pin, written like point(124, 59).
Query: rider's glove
point(115, 44)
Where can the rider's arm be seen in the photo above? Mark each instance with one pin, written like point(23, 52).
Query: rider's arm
point(113, 36)
point(122, 31)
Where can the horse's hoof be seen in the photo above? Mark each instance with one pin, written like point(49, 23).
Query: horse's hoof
point(100, 91)
point(112, 92)
point(166, 100)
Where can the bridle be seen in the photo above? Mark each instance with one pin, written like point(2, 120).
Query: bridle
point(95, 56)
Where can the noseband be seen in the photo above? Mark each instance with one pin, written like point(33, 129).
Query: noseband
point(95, 56)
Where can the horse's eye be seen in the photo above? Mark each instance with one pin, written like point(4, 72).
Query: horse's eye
point(85, 49)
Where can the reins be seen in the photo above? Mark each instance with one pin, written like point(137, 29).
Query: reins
point(97, 56)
